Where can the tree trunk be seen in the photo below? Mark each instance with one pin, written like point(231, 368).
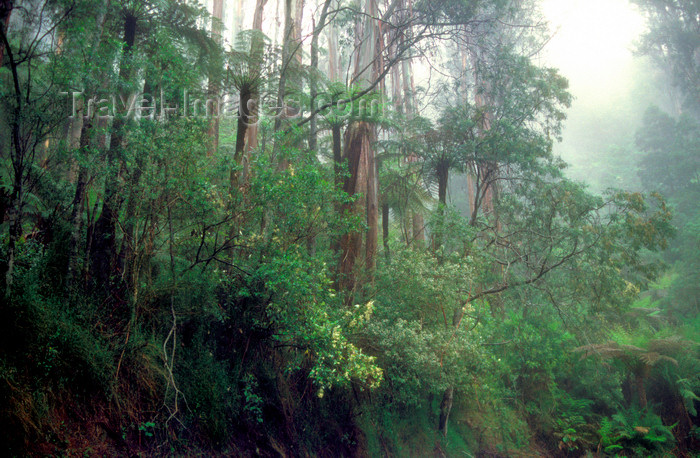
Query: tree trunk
point(361, 159)
point(408, 85)
point(485, 169)
point(15, 232)
point(241, 129)
point(76, 214)
point(385, 230)
point(470, 191)
point(333, 65)
point(372, 214)
point(81, 141)
point(357, 146)
point(291, 51)
point(129, 241)
point(5, 13)
point(19, 156)
point(445, 408)
point(640, 379)
point(256, 54)
point(337, 152)
point(318, 28)
point(237, 21)
point(104, 259)
point(443, 175)
point(337, 168)
point(214, 87)
point(418, 230)
point(75, 130)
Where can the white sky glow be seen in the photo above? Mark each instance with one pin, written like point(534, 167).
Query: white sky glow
point(593, 42)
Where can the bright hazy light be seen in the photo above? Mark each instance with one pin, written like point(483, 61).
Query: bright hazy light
point(592, 43)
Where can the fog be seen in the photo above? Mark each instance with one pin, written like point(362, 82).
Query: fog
point(593, 45)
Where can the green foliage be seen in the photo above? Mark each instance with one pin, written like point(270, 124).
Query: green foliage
point(164, 297)
point(635, 431)
point(252, 402)
point(670, 165)
point(671, 40)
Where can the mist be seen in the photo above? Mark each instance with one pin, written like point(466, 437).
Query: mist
point(593, 44)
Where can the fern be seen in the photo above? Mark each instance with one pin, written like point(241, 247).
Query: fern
point(613, 448)
point(635, 431)
point(689, 397)
point(607, 432)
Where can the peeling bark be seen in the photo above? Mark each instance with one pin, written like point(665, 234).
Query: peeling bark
point(357, 147)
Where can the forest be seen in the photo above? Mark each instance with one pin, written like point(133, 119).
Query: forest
point(339, 228)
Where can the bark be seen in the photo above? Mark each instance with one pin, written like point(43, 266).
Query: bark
point(485, 169)
point(104, 259)
point(372, 214)
point(448, 395)
point(214, 86)
point(385, 230)
point(361, 161)
point(407, 228)
point(73, 125)
point(296, 34)
point(237, 21)
point(333, 73)
point(76, 216)
point(19, 153)
point(357, 146)
point(337, 168)
point(5, 13)
point(318, 28)
point(81, 141)
point(396, 79)
point(470, 191)
point(291, 50)
point(15, 233)
point(245, 96)
point(337, 151)
point(443, 175)
point(256, 53)
point(129, 242)
point(445, 408)
point(418, 230)
point(398, 105)
point(408, 107)
point(640, 379)
point(409, 87)
point(291, 63)
point(75, 129)
point(313, 127)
